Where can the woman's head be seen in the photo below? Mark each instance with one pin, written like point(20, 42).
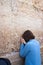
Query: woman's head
point(28, 35)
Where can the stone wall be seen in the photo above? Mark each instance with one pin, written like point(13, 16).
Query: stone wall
point(16, 16)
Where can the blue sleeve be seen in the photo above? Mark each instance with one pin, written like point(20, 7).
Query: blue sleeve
point(24, 50)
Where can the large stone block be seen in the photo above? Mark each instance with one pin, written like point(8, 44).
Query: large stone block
point(15, 18)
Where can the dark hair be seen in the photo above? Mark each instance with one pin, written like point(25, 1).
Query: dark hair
point(5, 61)
point(28, 35)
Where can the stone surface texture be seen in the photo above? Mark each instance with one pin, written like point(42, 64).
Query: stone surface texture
point(16, 16)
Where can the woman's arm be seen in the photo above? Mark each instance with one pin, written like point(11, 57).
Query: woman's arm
point(24, 49)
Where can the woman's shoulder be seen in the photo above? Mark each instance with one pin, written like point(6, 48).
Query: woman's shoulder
point(33, 41)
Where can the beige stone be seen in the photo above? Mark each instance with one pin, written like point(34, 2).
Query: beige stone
point(38, 4)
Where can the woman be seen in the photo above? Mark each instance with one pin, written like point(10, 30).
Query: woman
point(30, 49)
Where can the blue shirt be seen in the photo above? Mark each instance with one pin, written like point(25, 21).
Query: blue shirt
point(31, 52)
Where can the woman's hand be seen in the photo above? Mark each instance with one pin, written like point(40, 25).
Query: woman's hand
point(22, 40)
